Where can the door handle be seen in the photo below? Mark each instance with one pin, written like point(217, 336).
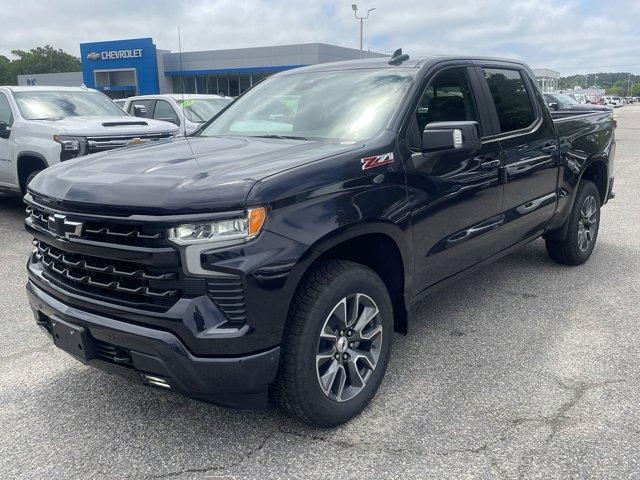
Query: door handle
point(549, 148)
point(489, 164)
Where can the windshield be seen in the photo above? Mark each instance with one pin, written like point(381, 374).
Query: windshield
point(202, 110)
point(45, 104)
point(350, 105)
point(563, 100)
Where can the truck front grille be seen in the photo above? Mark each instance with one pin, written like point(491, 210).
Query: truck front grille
point(108, 142)
point(118, 280)
point(108, 232)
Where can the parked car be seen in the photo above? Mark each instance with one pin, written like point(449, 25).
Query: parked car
point(273, 255)
point(41, 126)
point(189, 112)
point(561, 104)
point(613, 101)
point(120, 102)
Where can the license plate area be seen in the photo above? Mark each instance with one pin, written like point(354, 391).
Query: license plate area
point(72, 339)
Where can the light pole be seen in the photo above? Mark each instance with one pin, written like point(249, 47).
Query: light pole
point(362, 19)
point(629, 86)
point(586, 81)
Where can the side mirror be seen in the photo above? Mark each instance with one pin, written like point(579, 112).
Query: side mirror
point(140, 110)
point(554, 106)
point(454, 136)
point(5, 130)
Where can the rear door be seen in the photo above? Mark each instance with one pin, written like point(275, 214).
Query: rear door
point(530, 153)
point(456, 199)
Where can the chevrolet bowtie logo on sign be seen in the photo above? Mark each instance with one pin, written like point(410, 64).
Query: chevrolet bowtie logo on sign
point(93, 56)
point(61, 227)
point(377, 161)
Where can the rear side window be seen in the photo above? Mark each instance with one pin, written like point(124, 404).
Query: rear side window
point(510, 96)
point(148, 108)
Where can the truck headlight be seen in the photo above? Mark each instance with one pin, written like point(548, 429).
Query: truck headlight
point(72, 147)
point(241, 229)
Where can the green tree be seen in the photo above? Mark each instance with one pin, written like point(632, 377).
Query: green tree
point(37, 60)
point(615, 83)
point(4, 72)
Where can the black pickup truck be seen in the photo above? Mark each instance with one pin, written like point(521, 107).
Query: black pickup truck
point(271, 256)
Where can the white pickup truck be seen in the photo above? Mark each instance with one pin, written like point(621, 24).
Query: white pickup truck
point(41, 126)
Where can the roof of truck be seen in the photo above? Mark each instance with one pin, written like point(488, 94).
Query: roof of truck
point(383, 62)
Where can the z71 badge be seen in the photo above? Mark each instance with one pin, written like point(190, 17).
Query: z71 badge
point(377, 161)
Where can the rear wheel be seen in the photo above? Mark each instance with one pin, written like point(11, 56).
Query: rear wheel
point(582, 229)
point(336, 344)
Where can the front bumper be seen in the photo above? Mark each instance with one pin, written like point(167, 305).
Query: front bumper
point(235, 381)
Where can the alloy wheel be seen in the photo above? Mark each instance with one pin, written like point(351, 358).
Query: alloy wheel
point(349, 347)
point(587, 224)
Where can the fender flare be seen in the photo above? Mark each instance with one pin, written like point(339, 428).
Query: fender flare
point(28, 153)
point(561, 233)
point(349, 232)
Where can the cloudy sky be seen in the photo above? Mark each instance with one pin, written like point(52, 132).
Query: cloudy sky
point(574, 36)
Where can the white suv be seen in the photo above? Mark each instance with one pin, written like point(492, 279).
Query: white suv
point(41, 126)
point(188, 111)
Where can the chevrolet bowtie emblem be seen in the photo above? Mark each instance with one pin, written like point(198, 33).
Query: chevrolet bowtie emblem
point(61, 227)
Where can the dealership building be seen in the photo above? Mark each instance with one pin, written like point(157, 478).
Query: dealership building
point(122, 68)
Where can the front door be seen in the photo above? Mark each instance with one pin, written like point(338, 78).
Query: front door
point(7, 176)
point(456, 199)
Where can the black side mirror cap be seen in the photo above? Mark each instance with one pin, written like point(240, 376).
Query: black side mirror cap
point(451, 136)
point(5, 130)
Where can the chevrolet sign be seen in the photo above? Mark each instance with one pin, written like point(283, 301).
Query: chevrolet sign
point(116, 54)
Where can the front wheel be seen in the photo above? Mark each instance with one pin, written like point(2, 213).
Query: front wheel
point(582, 229)
point(336, 344)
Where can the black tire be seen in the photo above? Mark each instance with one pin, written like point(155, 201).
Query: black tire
point(298, 389)
point(577, 246)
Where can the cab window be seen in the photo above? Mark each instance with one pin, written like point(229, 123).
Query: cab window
point(164, 111)
point(447, 98)
point(145, 112)
point(510, 96)
point(5, 110)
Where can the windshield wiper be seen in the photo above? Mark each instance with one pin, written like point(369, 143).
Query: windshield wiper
point(281, 137)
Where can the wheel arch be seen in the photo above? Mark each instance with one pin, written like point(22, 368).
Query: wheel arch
point(596, 171)
point(27, 163)
point(380, 246)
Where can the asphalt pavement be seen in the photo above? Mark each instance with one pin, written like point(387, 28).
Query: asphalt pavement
point(526, 370)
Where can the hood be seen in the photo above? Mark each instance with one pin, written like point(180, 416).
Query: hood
point(109, 125)
point(177, 176)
